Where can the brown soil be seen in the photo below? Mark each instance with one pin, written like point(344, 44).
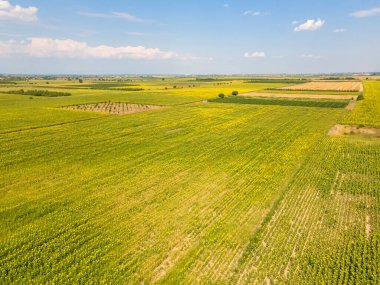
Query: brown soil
point(351, 105)
point(305, 96)
point(351, 130)
point(327, 85)
point(367, 225)
point(114, 108)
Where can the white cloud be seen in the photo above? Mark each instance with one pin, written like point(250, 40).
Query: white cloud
point(135, 34)
point(5, 48)
point(311, 56)
point(127, 17)
point(339, 30)
point(68, 48)
point(366, 13)
point(255, 13)
point(254, 54)
point(226, 5)
point(11, 47)
point(17, 13)
point(310, 25)
point(294, 23)
point(114, 15)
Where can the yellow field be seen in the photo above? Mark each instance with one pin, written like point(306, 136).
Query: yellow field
point(233, 191)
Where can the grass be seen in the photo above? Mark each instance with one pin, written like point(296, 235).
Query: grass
point(284, 102)
point(188, 194)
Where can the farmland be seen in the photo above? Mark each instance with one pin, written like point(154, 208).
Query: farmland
point(155, 181)
point(327, 86)
point(300, 95)
point(367, 111)
point(284, 101)
point(113, 108)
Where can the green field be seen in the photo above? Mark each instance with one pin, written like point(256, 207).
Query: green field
point(194, 193)
point(283, 101)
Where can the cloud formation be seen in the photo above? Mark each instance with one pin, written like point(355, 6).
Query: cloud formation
point(339, 30)
point(135, 34)
point(254, 54)
point(17, 13)
point(255, 13)
point(114, 15)
point(311, 56)
point(310, 25)
point(366, 13)
point(68, 48)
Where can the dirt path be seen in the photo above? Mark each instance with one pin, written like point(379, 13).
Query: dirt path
point(361, 88)
point(351, 105)
point(305, 96)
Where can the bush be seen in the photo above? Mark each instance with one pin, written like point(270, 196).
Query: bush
point(360, 97)
point(221, 95)
point(235, 93)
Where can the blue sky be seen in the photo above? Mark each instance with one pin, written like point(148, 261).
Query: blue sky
point(189, 37)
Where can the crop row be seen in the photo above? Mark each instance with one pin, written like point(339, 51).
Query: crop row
point(326, 229)
point(152, 197)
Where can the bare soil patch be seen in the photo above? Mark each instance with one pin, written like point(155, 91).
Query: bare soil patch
point(367, 225)
point(116, 108)
point(353, 130)
point(327, 86)
point(351, 105)
point(305, 96)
